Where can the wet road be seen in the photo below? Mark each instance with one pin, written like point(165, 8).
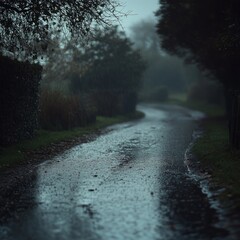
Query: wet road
point(130, 183)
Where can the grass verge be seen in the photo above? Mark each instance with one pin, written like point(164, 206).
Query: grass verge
point(213, 149)
point(13, 155)
point(215, 154)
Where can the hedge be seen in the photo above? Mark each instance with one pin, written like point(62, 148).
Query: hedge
point(63, 112)
point(18, 100)
point(114, 102)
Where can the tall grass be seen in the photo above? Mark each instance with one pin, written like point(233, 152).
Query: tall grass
point(62, 112)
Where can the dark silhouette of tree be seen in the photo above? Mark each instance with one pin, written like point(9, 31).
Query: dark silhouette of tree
point(26, 26)
point(207, 33)
point(110, 62)
point(60, 65)
point(111, 70)
point(26, 29)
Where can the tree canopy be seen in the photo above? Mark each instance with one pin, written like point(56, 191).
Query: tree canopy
point(26, 26)
point(110, 63)
point(207, 33)
point(111, 71)
point(204, 32)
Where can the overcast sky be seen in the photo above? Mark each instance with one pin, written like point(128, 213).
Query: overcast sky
point(139, 10)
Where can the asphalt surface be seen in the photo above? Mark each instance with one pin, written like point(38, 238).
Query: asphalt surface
point(130, 183)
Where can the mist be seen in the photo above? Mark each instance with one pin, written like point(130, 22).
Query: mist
point(167, 75)
point(119, 120)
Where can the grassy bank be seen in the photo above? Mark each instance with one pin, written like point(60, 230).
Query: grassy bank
point(213, 149)
point(212, 111)
point(13, 155)
point(215, 154)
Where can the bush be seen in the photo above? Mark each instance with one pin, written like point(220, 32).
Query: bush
point(207, 92)
point(158, 94)
point(60, 112)
point(106, 102)
point(128, 102)
point(110, 103)
point(18, 100)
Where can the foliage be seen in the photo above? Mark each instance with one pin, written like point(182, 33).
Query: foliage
point(207, 33)
point(110, 63)
point(210, 110)
point(110, 103)
point(61, 66)
point(157, 94)
point(46, 141)
point(59, 112)
point(204, 32)
point(106, 102)
point(18, 100)
point(162, 68)
point(208, 92)
point(112, 70)
point(213, 150)
point(26, 26)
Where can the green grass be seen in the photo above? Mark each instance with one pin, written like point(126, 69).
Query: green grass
point(215, 154)
point(213, 149)
point(177, 97)
point(13, 155)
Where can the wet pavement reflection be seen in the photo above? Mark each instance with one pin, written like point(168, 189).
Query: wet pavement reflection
point(130, 183)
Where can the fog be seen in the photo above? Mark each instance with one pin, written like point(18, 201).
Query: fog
point(164, 72)
point(119, 120)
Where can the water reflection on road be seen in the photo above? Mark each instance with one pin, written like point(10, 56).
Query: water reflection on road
point(130, 183)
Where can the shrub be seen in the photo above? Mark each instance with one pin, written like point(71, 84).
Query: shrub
point(206, 91)
point(109, 103)
point(18, 100)
point(128, 102)
point(158, 94)
point(106, 102)
point(60, 112)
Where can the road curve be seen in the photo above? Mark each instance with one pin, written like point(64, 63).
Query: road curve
point(128, 184)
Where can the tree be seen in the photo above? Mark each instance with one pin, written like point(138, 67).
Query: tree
point(162, 68)
point(207, 33)
point(61, 66)
point(26, 29)
point(146, 39)
point(26, 26)
point(111, 67)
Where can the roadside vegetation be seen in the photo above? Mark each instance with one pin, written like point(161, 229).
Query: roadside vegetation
point(82, 90)
point(18, 153)
point(169, 80)
point(217, 157)
point(213, 149)
point(206, 46)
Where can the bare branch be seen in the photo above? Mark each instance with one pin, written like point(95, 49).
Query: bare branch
point(31, 23)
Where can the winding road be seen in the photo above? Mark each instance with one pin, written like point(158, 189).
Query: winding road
point(128, 184)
